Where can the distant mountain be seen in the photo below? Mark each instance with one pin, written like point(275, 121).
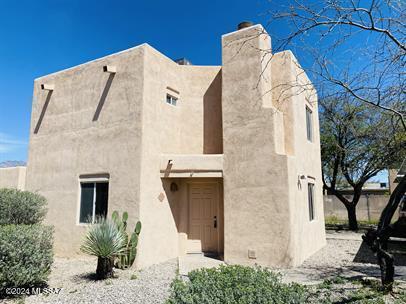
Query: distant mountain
point(12, 163)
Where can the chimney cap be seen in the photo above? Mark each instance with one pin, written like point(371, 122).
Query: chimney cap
point(244, 24)
point(183, 61)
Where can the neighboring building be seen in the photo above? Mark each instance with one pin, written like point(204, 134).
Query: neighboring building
point(217, 159)
point(12, 175)
point(369, 207)
point(375, 188)
point(395, 175)
point(374, 198)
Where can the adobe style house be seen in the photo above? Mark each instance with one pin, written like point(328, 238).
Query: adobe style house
point(13, 176)
point(223, 160)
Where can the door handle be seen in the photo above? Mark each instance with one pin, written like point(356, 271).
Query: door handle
point(215, 221)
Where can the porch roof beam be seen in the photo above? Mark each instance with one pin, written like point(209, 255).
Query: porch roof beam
point(191, 165)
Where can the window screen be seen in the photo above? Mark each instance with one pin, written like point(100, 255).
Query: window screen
point(171, 100)
point(102, 193)
point(93, 201)
point(86, 202)
point(310, 194)
point(309, 124)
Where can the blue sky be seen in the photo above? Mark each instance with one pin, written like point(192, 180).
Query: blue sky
point(40, 37)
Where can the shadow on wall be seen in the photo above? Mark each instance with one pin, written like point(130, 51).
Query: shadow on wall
point(96, 114)
point(171, 188)
point(212, 118)
point(103, 97)
point(44, 109)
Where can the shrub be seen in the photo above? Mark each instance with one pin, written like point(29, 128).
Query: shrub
point(21, 207)
point(25, 255)
point(106, 241)
point(235, 284)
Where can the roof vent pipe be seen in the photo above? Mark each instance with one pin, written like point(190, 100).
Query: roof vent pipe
point(244, 24)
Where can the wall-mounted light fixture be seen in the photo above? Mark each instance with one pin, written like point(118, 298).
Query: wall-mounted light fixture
point(47, 87)
point(303, 177)
point(109, 69)
point(174, 187)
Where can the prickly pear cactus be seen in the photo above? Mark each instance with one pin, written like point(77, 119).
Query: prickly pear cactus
point(126, 260)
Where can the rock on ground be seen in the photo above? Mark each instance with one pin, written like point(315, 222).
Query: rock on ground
point(76, 278)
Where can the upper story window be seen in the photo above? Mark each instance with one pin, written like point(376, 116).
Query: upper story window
point(310, 199)
point(171, 100)
point(309, 124)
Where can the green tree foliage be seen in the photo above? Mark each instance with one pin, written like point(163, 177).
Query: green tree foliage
point(357, 142)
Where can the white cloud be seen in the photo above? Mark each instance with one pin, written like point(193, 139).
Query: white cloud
point(9, 143)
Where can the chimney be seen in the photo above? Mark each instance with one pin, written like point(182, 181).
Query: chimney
point(244, 24)
point(183, 61)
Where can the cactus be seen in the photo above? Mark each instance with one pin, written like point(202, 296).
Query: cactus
point(126, 260)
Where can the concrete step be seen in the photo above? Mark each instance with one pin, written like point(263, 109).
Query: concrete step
point(191, 262)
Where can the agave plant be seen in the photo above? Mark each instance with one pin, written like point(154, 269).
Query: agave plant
point(105, 241)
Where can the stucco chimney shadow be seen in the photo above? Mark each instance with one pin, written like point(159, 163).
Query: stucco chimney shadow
point(103, 97)
point(44, 109)
point(212, 118)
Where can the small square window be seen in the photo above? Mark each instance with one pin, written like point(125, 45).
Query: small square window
point(93, 201)
point(309, 124)
point(171, 100)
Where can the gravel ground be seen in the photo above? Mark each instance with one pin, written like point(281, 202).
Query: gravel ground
point(346, 259)
point(343, 256)
point(75, 277)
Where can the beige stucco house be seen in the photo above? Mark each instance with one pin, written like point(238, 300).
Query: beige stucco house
point(223, 160)
point(13, 177)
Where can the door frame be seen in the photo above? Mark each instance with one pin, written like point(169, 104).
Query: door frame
point(218, 184)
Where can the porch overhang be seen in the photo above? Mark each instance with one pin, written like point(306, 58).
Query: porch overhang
point(191, 165)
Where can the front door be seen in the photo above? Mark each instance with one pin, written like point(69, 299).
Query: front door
point(204, 215)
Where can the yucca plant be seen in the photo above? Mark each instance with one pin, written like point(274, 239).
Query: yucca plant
point(105, 241)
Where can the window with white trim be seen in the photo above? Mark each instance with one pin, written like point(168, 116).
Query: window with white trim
point(171, 100)
point(310, 199)
point(93, 201)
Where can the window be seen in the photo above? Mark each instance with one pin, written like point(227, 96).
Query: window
point(309, 124)
point(171, 100)
point(310, 198)
point(93, 200)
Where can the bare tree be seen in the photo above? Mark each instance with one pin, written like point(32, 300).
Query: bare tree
point(354, 49)
point(358, 48)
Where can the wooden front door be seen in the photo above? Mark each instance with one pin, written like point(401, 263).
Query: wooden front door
point(204, 215)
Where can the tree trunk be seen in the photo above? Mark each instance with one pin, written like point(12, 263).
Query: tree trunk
point(386, 264)
point(104, 268)
point(352, 217)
